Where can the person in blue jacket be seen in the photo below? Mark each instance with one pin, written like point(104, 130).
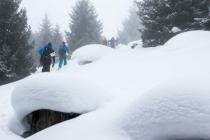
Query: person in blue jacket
point(47, 57)
point(63, 51)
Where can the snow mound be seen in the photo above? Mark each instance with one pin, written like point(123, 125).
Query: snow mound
point(178, 109)
point(90, 53)
point(175, 30)
point(49, 91)
point(191, 39)
point(136, 44)
point(132, 45)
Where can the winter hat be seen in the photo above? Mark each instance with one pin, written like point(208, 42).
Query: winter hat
point(50, 44)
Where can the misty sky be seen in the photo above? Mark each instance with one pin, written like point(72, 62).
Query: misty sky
point(111, 13)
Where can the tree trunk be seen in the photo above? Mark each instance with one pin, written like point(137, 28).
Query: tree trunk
point(43, 119)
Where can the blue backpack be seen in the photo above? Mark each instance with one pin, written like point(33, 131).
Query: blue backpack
point(41, 51)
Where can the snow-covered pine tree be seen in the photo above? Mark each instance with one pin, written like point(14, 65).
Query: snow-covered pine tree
point(131, 27)
point(159, 17)
point(5, 69)
point(42, 37)
point(45, 33)
point(201, 14)
point(85, 28)
point(57, 37)
point(16, 59)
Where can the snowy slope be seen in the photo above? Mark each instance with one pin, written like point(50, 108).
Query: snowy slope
point(146, 93)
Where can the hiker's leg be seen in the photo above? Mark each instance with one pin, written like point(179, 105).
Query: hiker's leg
point(65, 61)
point(46, 68)
point(60, 62)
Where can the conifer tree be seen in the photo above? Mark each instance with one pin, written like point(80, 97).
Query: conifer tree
point(42, 37)
point(15, 57)
point(45, 33)
point(131, 27)
point(85, 28)
point(160, 16)
point(57, 36)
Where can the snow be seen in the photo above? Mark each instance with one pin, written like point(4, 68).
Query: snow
point(176, 30)
point(135, 44)
point(38, 92)
point(191, 39)
point(173, 110)
point(124, 94)
point(90, 53)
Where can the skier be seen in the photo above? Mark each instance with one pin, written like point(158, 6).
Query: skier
point(47, 55)
point(63, 51)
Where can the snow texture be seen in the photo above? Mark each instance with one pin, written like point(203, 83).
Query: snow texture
point(136, 44)
point(190, 40)
point(173, 110)
point(157, 93)
point(48, 91)
point(90, 53)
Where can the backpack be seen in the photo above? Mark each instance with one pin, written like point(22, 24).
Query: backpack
point(62, 50)
point(46, 54)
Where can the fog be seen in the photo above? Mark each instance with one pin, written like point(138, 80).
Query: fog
point(111, 13)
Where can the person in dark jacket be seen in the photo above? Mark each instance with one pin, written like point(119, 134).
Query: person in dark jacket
point(112, 42)
point(47, 57)
point(63, 51)
point(104, 41)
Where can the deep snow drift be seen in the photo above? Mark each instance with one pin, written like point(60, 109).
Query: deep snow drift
point(90, 53)
point(125, 94)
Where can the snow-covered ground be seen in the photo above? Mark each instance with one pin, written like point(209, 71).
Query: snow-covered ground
point(124, 94)
point(132, 45)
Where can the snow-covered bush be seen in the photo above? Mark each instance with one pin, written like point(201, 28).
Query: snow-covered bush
point(90, 53)
point(132, 45)
point(136, 44)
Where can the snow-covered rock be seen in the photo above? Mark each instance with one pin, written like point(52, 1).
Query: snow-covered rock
point(58, 92)
point(132, 45)
point(90, 53)
point(136, 44)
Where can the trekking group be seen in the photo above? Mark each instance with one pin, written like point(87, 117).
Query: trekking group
point(48, 54)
